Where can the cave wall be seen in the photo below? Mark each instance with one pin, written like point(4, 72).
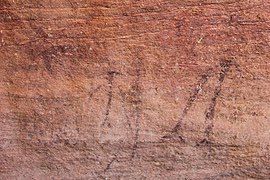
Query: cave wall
point(134, 89)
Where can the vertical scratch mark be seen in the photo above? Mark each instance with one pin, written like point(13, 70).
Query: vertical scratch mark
point(137, 103)
point(210, 112)
point(108, 167)
point(111, 75)
point(203, 80)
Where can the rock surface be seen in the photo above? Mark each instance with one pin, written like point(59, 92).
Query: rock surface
point(134, 89)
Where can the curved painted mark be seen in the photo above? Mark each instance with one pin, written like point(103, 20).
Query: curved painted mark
point(174, 134)
point(108, 166)
point(210, 112)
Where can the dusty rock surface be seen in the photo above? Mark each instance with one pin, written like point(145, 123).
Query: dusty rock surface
point(134, 89)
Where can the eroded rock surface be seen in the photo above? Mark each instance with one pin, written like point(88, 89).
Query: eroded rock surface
point(134, 89)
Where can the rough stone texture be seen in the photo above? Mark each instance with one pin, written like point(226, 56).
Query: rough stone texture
point(134, 89)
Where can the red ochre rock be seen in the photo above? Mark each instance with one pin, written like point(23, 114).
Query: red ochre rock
point(107, 89)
